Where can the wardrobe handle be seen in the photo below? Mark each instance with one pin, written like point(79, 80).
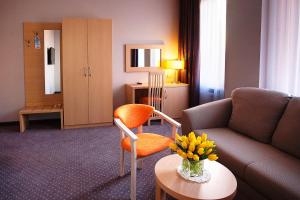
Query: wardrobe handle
point(85, 71)
point(89, 72)
point(166, 94)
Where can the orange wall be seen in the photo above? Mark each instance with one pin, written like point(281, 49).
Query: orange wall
point(134, 21)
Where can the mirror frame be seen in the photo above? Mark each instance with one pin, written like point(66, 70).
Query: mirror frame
point(128, 48)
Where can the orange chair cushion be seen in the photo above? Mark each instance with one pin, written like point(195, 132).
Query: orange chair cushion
point(147, 144)
point(133, 115)
point(145, 100)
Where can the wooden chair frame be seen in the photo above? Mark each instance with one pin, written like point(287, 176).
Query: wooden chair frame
point(133, 155)
point(156, 90)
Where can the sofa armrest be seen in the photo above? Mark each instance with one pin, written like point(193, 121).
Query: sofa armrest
point(210, 115)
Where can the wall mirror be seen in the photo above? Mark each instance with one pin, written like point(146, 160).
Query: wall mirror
point(143, 58)
point(52, 61)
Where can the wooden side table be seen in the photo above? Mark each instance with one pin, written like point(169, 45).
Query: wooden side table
point(222, 184)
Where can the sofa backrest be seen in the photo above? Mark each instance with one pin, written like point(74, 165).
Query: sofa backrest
point(256, 112)
point(287, 134)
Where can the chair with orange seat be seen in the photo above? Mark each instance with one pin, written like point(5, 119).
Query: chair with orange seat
point(142, 144)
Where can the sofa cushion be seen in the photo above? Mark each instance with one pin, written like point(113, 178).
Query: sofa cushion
point(256, 112)
point(237, 151)
point(276, 178)
point(247, 192)
point(287, 133)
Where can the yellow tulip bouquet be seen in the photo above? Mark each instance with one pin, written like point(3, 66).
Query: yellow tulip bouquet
point(194, 150)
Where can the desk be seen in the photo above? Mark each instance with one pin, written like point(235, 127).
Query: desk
point(176, 97)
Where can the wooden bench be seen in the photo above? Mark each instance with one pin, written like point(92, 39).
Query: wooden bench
point(23, 114)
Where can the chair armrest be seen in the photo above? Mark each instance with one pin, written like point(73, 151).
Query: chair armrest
point(210, 115)
point(167, 118)
point(126, 130)
point(175, 124)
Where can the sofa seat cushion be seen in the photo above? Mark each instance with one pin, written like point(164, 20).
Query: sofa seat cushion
point(287, 133)
point(237, 151)
point(256, 112)
point(276, 178)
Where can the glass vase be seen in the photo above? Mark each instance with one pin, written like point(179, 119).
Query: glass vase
point(192, 168)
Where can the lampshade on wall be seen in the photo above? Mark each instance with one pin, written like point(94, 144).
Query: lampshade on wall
point(174, 64)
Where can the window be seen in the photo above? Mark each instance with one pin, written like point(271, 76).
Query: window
point(212, 49)
point(280, 46)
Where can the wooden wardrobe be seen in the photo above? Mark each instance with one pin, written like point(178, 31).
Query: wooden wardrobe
point(87, 72)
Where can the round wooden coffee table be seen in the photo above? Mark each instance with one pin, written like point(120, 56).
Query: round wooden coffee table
point(222, 184)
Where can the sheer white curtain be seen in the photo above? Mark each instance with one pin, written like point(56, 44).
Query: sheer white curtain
point(212, 49)
point(280, 47)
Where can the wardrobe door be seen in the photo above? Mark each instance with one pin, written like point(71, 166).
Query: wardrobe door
point(75, 77)
point(100, 63)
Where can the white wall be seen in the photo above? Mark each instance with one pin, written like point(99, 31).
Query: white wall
point(134, 21)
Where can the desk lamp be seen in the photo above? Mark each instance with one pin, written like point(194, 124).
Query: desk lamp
point(176, 65)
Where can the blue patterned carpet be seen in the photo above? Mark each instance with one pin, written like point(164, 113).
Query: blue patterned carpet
point(46, 163)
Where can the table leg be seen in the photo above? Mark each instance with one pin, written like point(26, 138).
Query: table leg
point(22, 123)
point(159, 194)
point(61, 120)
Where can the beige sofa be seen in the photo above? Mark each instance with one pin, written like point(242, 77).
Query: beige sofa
point(257, 133)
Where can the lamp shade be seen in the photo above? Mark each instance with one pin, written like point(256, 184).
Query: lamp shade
point(174, 64)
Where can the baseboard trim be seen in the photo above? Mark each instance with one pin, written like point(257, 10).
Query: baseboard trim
point(87, 125)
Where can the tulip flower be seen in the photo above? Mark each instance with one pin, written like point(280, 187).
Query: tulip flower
point(208, 151)
point(173, 146)
point(183, 155)
point(196, 157)
point(192, 147)
point(178, 137)
point(184, 145)
point(192, 136)
point(183, 138)
point(212, 157)
point(200, 151)
point(204, 136)
point(189, 154)
point(179, 151)
point(203, 144)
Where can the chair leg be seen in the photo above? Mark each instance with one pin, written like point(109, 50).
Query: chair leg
point(140, 164)
point(161, 122)
point(122, 166)
point(149, 122)
point(133, 177)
